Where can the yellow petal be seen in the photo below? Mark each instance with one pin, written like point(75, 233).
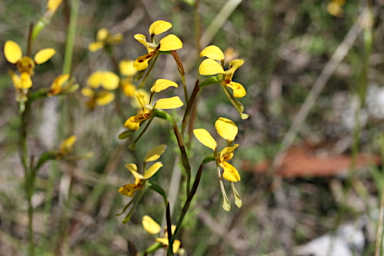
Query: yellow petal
point(212, 52)
point(104, 98)
point(115, 39)
point(52, 5)
point(227, 153)
point(15, 79)
point(163, 241)
point(141, 62)
point(128, 88)
point(131, 167)
point(205, 138)
point(334, 9)
point(238, 89)
point(87, 92)
point(226, 128)
point(57, 84)
point(12, 52)
point(152, 170)
point(138, 177)
point(137, 102)
point(26, 81)
point(230, 172)
point(210, 67)
point(176, 246)
point(129, 189)
point(44, 55)
point(142, 39)
point(141, 99)
point(169, 103)
point(162, 84)
point(170, 42)
point(150, 225)
point(94, 80)
point(159, 27)
point(126, 68)
point(109, 80)
point(66, 146)
point(235, 64)
point(133, 123)
point(155, 153)
point(102, 34)
point(95, 46)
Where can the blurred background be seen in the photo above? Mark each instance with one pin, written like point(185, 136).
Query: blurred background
point(309, 157)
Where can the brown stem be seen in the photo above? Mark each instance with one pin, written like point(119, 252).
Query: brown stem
point(190, 106)
point(29, 47)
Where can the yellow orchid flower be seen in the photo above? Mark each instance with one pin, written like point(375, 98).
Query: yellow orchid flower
point(335, 8)
point(152, 155)
point(133, 123)
point(228, 130)
point(25, 64)
point(67, 145)
point(105, 79)
point(211, 67)
point(168, 43)
point(57, 84)
point(104, 39)
point(129, 189)
point(153, 227)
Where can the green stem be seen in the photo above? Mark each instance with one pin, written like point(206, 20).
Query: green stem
point(71, 37)
point(149, 70)
point(28, 177)
point(185, 208)
point(133, 145)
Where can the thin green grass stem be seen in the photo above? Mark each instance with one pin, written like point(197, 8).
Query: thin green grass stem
point(71, 37)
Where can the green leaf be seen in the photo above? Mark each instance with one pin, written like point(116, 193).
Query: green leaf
point(125, 208)
point(139, 75)
point(125, 134)
point(158, 189)
point(46, 156)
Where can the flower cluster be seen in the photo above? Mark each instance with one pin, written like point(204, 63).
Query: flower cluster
point(213, 66)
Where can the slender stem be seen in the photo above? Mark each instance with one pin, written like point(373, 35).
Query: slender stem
point(133, 145)
point(169, 224)
point(71, 37)
point(190, 106)
point(184, 156)
point(197, 27)
point(185, 208)
point(181, 72)
point(29, 47)
point(150, 69)
point(28, 177)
